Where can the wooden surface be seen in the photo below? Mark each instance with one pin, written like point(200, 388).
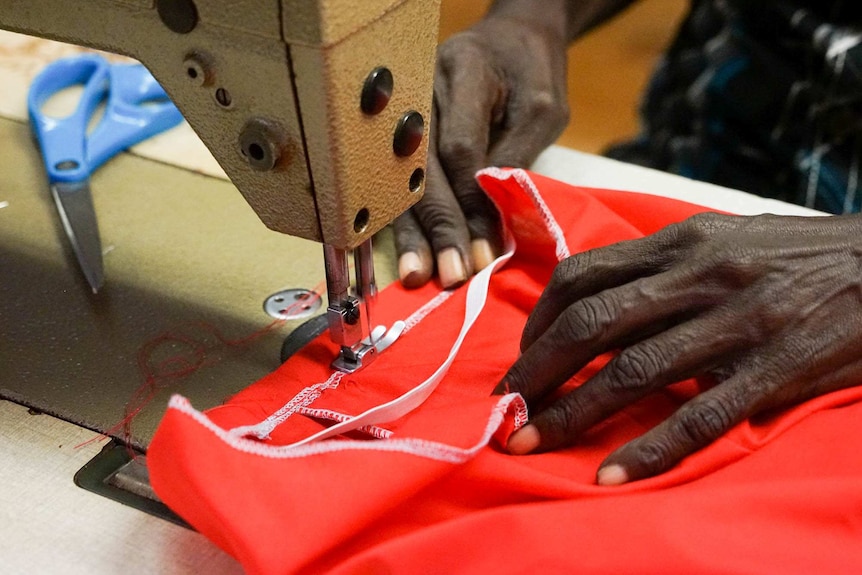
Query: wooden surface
point(608, 68)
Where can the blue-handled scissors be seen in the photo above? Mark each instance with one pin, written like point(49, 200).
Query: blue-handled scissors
point(136, 108)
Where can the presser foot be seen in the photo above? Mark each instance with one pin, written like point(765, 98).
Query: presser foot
point(351, 359)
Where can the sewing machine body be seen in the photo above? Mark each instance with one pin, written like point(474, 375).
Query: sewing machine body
point(274, 89)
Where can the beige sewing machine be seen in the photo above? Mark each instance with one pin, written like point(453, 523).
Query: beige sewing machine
point(317, 110)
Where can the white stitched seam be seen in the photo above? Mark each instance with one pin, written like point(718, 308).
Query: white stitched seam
point(528, 186)
point(305, 397)
point(328, 414)
point(310, 394)
point(411, 446)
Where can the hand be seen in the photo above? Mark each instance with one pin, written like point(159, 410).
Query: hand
point(500, 99)
point(770, 306)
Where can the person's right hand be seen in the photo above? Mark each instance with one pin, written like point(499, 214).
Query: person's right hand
point(499, 100)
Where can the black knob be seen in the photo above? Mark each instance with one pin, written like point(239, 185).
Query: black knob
point(408, 133)
point(377, 91)
point(181, 16)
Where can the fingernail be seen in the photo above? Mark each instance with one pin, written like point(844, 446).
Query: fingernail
point(411, 270)
point(483, 254)
point(612, 475)
point(450, 266)
point(524, 440)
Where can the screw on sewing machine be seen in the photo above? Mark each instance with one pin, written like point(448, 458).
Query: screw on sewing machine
point(199, 68)
point(223, 97)
point(261, 144)
point(351, 312)
point(180, 16)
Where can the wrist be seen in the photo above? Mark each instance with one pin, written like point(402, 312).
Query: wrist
point(570, 19)
point(550, 15)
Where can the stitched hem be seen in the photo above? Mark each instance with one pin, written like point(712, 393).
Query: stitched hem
point(410, 446)
point(331, 415)
point(528, 186)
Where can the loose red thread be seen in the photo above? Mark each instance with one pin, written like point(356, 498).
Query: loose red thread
point(198, 343)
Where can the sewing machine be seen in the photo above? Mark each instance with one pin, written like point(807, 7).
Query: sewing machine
point(317, 110)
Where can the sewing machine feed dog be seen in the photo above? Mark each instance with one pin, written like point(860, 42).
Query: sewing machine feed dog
point(316, 109)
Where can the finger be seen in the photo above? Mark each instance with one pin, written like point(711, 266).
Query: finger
point(693, 426)
point(415, 261)
point(599, 323)
point(468, 97)
point(681, 352)
point(444, 225)
point(588, 273)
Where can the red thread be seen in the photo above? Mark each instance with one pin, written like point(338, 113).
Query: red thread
point(198, 343)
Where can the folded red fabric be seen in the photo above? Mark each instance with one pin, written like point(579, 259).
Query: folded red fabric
point(433, 491)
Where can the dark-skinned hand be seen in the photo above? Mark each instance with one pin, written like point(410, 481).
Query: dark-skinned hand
point(770, 306)
point(499, 100)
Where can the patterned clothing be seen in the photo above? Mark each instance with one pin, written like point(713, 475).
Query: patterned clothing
point(763, 96)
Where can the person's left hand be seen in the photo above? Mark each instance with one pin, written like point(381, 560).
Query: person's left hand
point(771, 306)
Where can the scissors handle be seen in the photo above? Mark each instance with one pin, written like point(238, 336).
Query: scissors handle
point(137, 108)
point(63, 140)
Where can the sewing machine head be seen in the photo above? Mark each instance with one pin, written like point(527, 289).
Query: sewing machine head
point(317, 110)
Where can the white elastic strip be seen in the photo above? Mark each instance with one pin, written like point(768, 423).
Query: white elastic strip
point(477, 295)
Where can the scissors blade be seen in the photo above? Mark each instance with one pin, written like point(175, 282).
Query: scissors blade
point(75, 205)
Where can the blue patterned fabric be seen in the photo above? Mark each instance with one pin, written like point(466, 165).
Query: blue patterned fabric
point(763, 96)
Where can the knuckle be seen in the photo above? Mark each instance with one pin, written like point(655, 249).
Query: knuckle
point(635, 368)
point(465, 45)
point(697, 228)
point(563, 420)
point(654, 456)
point(442, 226)
point(707, 222)
point(584, 321)
point(543, 104)
point(568, 269)
point(705, 422)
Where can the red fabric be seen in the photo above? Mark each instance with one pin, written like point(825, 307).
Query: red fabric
point(778, 494)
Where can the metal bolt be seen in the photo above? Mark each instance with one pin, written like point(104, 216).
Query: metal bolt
point(223, 97)
point(199, 69)
point(261, 143)
point(351, 312)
